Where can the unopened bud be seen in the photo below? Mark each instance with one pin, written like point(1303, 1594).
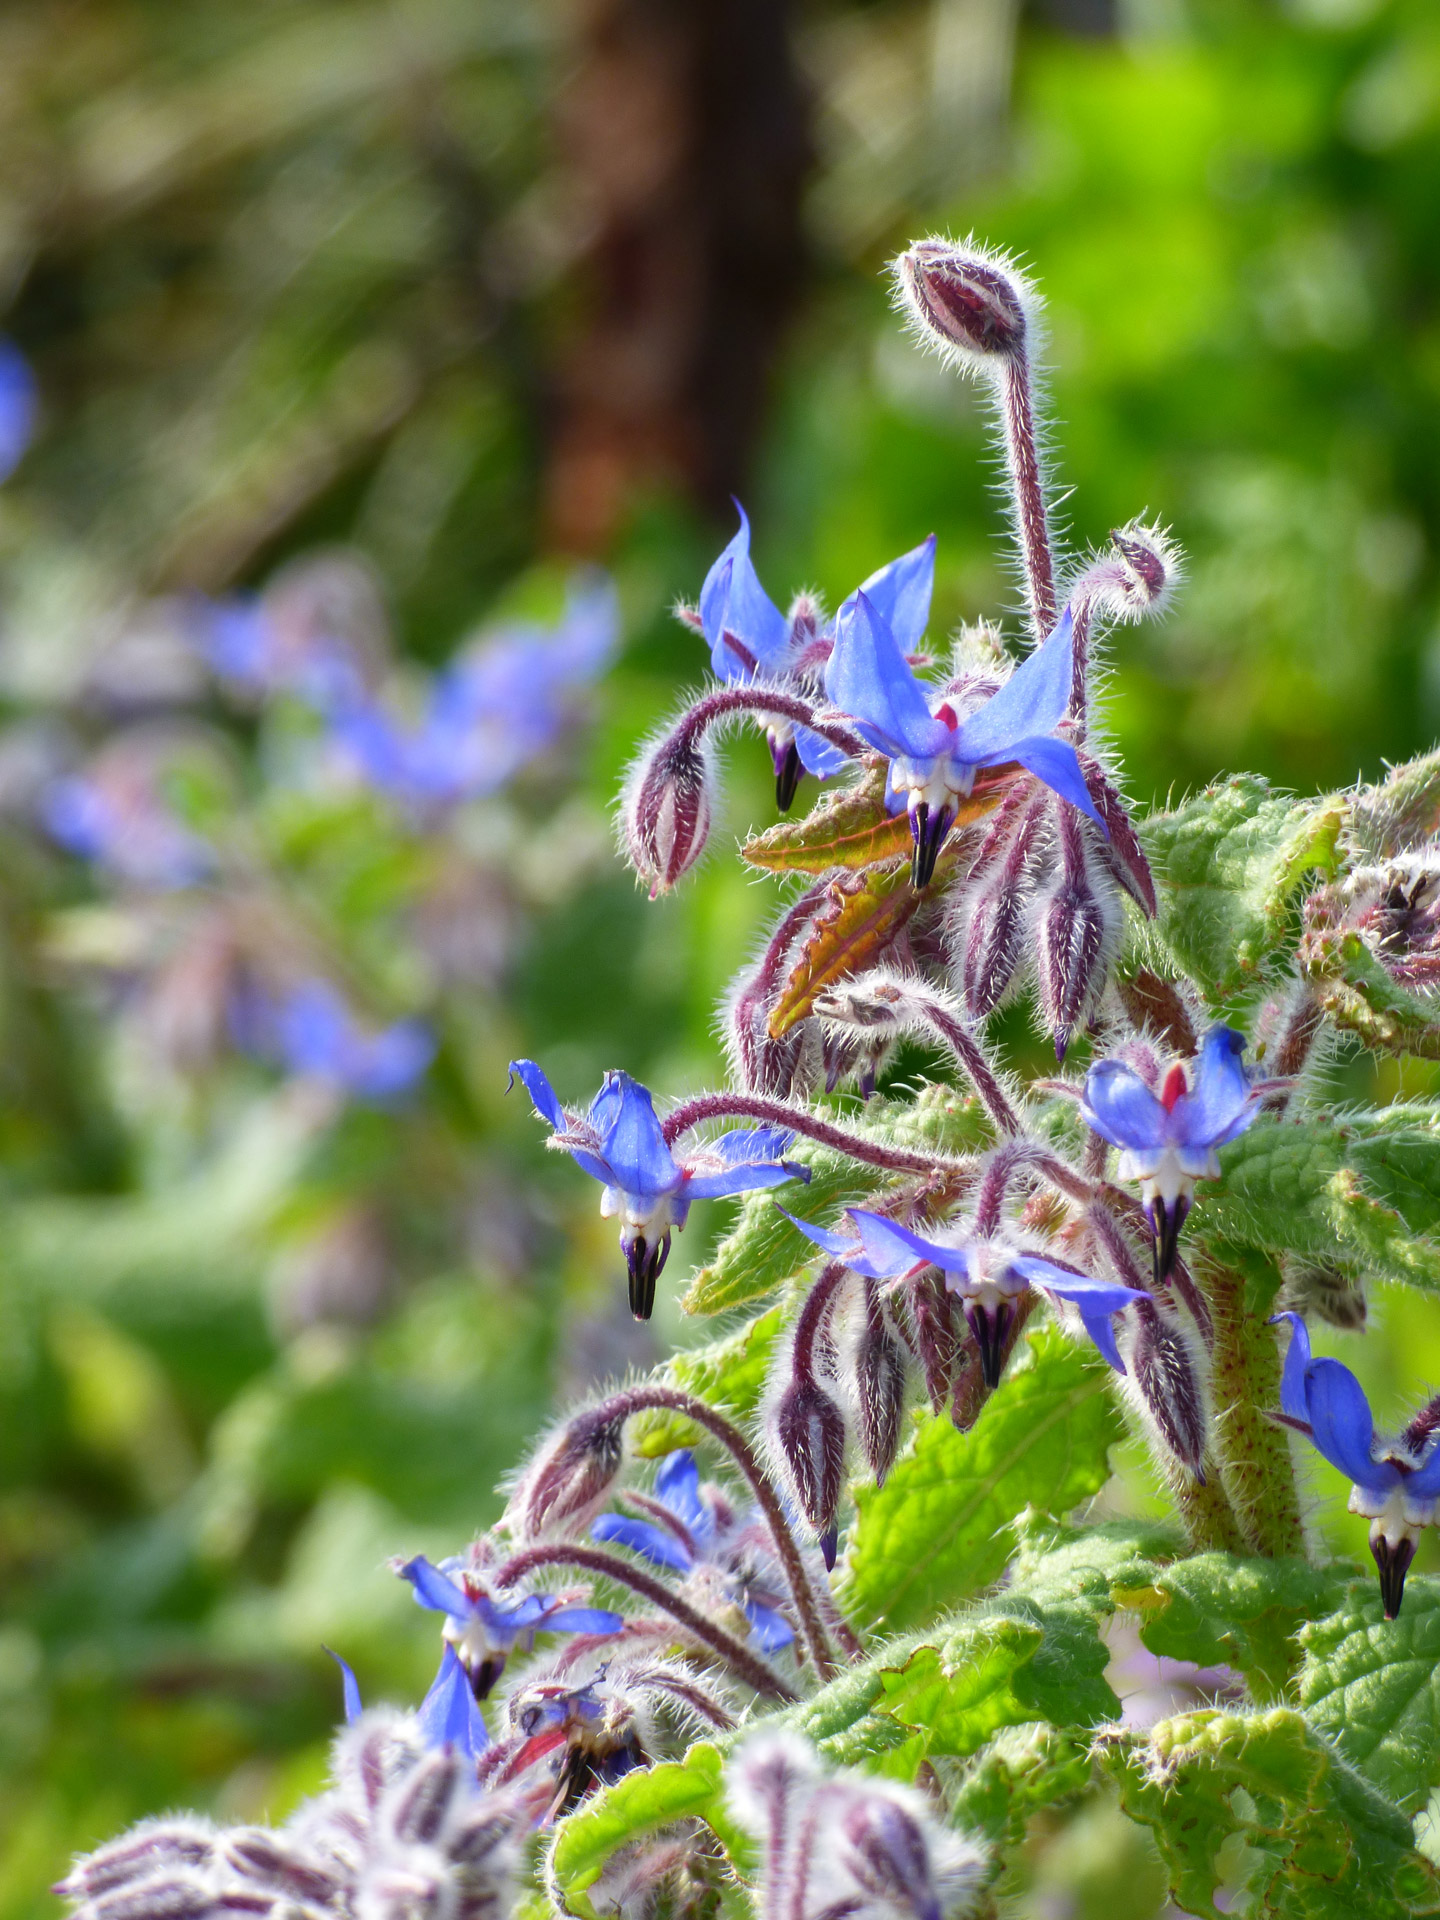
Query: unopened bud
point(884, 1850)
point(968, 303)
point(1120, 850)
point(1168, 1382)
point(808, 1434)
point(420, 1807)
point(570, 1479)
point(152, 1846)
point(1149, 568)
point(937, 1343)
point(262, 1854)
point(1314, 1286)
point(992, 922)
point(878, 1384)
point(1073, 937)
point(667, 807)
point(172, 1896)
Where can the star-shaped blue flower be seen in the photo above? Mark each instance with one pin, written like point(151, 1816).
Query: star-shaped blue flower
point(484, 1627)
point(448, 1715)
point(691, 1534)
point(1396, 1483)
point(987, 1276)
point(1170, 1140)
point(619, 1142)
point(934, 754)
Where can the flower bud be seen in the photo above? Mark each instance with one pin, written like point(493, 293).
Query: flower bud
point(1169, 1385)
point(1317, 1287)
point(146, 1849)
point(807, 1432)
point(933, 1331)
point(571, 1477)
point(877, 1384)
point(884, 1850)
point(418, 1810)
point(992, 920)
point(259, 1853)
point(1075, 924)
point(968, 303)
point(667, 807)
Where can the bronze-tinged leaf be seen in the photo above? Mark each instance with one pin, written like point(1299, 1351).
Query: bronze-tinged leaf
point(851, 830)
point(861, 916)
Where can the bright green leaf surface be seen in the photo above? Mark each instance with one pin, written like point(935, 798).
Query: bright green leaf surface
point(1373, 1685)
point(649, 1798)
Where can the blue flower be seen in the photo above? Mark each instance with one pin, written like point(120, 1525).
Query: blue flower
point(986, 1275)
point(122, 825)
point(934, 754)
point(620, 1143)
point(484, 1627)
point(448, 1715)
point(694, 1533)
point(1396, 1483)
point(1170, 1141)
point(490, 712)
point(19, 407)
point(315, 1034)
point(245, 642)
point(750, 640)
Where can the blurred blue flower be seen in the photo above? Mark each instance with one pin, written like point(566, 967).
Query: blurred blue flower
point(483, 1627)
point(1396, 1483)
point(312, 1032)
point(987, 1276)
point(123, 826)
point(1170, 1140)
point(490, 712)
point(620, 1143)
point(934, 754)
point(244, 641)
point(692, 1534)
point(19, 406)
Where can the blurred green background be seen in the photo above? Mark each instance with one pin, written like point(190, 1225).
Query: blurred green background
point(475, 290)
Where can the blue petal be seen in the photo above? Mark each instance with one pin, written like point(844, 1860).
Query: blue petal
point(631, 1141)
point(388, 1063)
point(1031, 702)
point(582, 1620)
point(1057, 764)
point(818, 755)
point(1099, 1296)
point(677, 1486)
point(1424, 1483)
point(350, 1688)
point(746, 1178)
point(1342, 1427)
point(900, 593)
point(732, 600)
point(448, 1715)
point(433, 1590)
point(842, 1246)
point(508, 1618)
point(1101, 1329)
point(541, 1093)
point(868, 679)
point(19, 406)
point(653, 1543)
point(1297, 1365)
point(752, 1146)
point(1219, 1105)
point(893, 1249)
point(1119, 1106)
point(769, 1630)
point(589, 628)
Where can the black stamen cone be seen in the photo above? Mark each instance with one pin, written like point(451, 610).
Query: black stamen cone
point(1393, 1563)
point(928, 830)
point(829, 1543)
point(646, 1264)
point(788, 769)
point(990, 1330)
point(1167, 1222)
point(483, 1677)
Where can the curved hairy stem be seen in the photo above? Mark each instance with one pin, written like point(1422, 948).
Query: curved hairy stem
point(763, 702)
point(779, 1113)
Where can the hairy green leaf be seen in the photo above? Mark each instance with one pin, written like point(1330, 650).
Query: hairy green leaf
point(1216, 1609)
point(936, 1532)
point(1227, 863)
point(1259, 1806)
point(1400, 812)
point(1374, 1686)
point(649, 1798)
point(1020, 1771)
point(1361, 996)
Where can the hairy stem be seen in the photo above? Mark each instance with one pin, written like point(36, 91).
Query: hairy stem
point(763, 702)
point(676, 1400)
point(609, 1566)
point(970, 1056)
point(1027, 477)
point(1254, 1452)
point(778, 1113)
point(1204, 1511)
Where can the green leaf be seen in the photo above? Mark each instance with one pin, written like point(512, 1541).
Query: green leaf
point(729, 1373)
point(1398, 813)
point(1361, 996)
point(764, 1251)
point(1374, 1686)
point(851, 827)
point(1217, 1609)
point(643, 1801)
point(936, 1532)
point(1022, 1770)
point(1263, 1800)
point(1227, 863)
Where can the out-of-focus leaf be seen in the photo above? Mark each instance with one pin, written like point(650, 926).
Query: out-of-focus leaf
point(1361, 996)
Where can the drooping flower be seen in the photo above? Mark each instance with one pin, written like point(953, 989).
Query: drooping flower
point(1170, 1140)
point(19, 407)
point(750, 640)
point(313, 1033)
point(935, 755)
point(485, 1623)
point(694, 1532)
point(988, 1277)
point(447, 1716)
point(620, 1143)
point(1396, 1481)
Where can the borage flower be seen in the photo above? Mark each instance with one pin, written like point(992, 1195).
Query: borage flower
point(1170, 1140)
point(987, 1276)
point(751, 641)
point(485, 1624)
point(448, 1715)
point(696, 1533)
point(935, 754)
point(1396, 1482)
point(620, 1143)
point(312, 1031)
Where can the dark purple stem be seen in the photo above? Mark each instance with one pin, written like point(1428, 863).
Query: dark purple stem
point(1014, 1157)
point(1032, 520)
point(785, 706)
point(609, 1566)
point(971, 1056)
point(776, 1113)
point(1080, 614)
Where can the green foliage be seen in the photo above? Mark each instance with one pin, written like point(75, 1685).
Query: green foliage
point(1373, 1686)
point(650, 1798)
point(1218, 1610)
